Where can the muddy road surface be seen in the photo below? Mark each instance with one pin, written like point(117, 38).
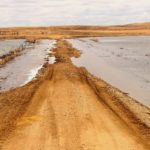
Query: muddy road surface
point(62, 110)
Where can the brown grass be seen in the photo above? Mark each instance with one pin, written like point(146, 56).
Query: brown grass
point(59, 32)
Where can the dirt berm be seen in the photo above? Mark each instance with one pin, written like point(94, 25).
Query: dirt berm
point(66, 108)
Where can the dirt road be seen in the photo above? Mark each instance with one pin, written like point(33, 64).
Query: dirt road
point(65, 113)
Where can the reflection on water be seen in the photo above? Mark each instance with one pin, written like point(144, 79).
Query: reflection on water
point(24, 68)
point(122, 61)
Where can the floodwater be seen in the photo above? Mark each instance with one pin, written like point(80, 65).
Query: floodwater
point(6, 46)
point(124, 62)
point(25, 67)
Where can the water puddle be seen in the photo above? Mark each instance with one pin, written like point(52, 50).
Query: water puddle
point(124, 62)
point(25, 67)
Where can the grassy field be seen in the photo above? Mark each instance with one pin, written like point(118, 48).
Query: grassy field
point(60, 32)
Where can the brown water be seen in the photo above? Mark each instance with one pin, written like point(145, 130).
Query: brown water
point(124, 62)
point(25, 67)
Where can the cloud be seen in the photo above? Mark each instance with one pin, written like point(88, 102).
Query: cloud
point(62, 12)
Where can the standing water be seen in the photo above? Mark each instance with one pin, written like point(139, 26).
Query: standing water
point(25, 67)
point(124, 62)
point(6, 46)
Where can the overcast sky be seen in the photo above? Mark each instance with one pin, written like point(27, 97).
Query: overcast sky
point(72, 12)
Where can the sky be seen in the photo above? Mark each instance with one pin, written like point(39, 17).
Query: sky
point(72, 12)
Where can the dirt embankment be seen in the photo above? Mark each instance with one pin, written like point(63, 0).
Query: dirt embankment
point(10, 56)
point(14, 53)
point(67, 108)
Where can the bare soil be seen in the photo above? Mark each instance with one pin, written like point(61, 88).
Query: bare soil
point(67, 108)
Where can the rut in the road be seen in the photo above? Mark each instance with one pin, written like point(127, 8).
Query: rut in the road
point(65, 114)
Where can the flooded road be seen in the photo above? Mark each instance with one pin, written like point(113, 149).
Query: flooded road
point(25, 67)
point(69, 110)
point(6, 46)
point(124, 62)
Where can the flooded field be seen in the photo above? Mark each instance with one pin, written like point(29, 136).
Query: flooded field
point(6, 46)
point(24, 68)
point(124, 62)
